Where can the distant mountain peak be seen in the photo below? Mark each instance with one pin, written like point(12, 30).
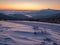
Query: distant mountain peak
point(49, 9)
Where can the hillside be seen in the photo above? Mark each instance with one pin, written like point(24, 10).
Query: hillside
point(14, 17)
point(46, 15)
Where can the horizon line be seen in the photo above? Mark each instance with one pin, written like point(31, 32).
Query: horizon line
point(30, 10)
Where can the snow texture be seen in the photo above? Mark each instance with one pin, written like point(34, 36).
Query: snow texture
point(22, 33)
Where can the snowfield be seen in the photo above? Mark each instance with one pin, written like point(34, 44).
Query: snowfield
point(22, 33)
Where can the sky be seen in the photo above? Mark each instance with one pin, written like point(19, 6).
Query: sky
point(29, 4)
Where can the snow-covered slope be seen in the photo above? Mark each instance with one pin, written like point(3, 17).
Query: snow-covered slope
point(22, 33)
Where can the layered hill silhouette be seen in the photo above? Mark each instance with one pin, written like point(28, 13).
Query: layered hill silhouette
point(5, 17)
point(46, 15)
point(14, 17)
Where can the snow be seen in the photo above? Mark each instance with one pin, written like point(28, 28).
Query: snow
point(22, 33)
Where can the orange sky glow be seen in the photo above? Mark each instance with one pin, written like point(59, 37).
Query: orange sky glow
point(29, 4)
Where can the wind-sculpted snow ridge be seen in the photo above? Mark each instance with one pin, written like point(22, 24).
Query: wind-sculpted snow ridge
point(22, 33)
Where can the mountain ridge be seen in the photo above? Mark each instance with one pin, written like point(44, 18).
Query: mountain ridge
point(42, 15)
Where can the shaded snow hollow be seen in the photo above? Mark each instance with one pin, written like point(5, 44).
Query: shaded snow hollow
point(22, 33)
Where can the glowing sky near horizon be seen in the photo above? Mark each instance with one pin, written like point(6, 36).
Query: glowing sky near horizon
point(29, 4)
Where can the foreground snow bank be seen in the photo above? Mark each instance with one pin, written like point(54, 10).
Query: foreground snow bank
point(22, 33)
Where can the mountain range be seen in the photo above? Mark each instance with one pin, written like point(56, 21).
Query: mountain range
point(41, 15)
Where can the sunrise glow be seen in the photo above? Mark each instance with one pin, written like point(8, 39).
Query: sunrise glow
point(29, 4)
